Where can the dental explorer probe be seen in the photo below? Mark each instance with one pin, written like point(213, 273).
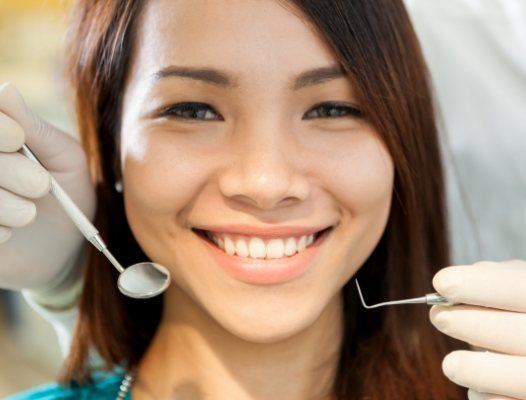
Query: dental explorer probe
point(141, 280)
point(430, 299)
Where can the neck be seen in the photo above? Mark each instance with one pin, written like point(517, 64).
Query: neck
point(192, 357)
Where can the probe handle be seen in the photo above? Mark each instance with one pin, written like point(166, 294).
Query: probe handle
point(437, 298)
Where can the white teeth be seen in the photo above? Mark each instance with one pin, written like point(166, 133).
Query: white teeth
point(241, 248)
point(229, 246)
point(290, 247)
point(302, 243)
point(256, 248)
point(275, 248)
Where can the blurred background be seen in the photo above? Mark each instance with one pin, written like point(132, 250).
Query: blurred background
point(31, 54)
point(476, 53)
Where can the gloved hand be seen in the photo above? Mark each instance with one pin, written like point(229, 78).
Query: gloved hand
point(492, 317)
point(40, 248)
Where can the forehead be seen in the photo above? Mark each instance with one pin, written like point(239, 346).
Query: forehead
point(256, 39)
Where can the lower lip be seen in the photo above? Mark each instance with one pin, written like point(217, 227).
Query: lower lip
point(266, 271)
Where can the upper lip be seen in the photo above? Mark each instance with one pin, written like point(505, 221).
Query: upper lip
point(264, 232)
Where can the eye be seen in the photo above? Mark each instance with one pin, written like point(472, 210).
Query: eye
point(190, 111)
point(203, 112)
point(333, 110)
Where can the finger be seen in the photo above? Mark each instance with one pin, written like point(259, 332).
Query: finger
point(23, 176)
point(11, 134)
point(474, 395)
point(502, 331)
point(15, 211)
point(46, 141)
point(5, 234)
point(487, 372)
point(489, 284)
point(478, 348)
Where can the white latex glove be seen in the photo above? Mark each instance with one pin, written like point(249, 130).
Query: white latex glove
point(40, 248)
point(493, 317)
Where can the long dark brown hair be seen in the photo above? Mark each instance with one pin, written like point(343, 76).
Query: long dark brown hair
point(387, 353)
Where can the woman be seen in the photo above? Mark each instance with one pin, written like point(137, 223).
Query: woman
point(258, 121)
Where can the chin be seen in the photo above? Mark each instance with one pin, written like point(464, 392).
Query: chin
point(269, 323)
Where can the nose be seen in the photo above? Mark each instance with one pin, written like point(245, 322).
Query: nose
point(263, 171)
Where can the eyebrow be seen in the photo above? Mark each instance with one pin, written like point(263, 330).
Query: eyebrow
point(224, 79)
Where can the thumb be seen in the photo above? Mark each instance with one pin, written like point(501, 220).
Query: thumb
point(49, 144)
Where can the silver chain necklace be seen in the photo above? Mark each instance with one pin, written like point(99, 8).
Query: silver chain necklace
point(126, 384)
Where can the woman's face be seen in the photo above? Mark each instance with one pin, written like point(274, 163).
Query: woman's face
point(260, 149)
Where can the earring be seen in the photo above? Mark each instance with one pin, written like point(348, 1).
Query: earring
point(118, 186)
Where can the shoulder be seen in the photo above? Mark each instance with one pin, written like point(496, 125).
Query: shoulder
point(103, 386)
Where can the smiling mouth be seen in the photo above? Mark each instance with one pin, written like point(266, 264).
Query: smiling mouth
point(205, 235)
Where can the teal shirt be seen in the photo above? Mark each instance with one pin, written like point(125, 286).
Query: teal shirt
point(105, 386)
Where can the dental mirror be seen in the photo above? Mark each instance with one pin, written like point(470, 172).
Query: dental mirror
point(140, 281)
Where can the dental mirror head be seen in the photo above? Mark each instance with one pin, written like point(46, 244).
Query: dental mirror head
point(144, 280)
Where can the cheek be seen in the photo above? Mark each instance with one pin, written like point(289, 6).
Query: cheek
point(163, 175)
point(362, 183)
point(362, 177)
point(161, 179)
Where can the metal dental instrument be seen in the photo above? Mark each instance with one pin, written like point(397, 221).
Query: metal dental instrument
point(140, 281)
point(430, 298)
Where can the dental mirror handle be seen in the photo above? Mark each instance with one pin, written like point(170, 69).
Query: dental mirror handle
point(77, 216)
